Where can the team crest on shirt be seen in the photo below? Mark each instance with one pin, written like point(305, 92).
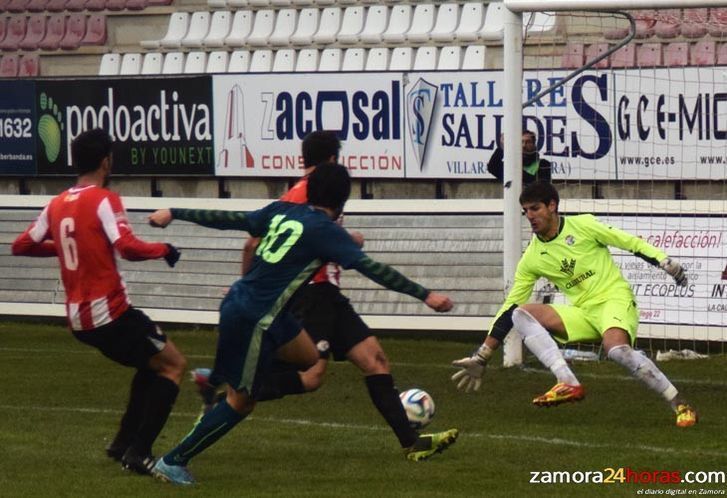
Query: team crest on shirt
point(570, 240)
point(568, 266)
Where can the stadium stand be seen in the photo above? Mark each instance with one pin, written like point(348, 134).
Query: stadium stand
point(676, 54)
point(306, 28)
point(284, 61)
point(34, 34)
point(18, 5)
point(262, 61)
point(130, 64)
point(29, 66)
point(285, 24)
point(624, 57)
point(173, 63)
point(55, 32)
point(573, 55)
point(330, 23)
point(351, 25)
point(354, 59)
point(649, 55)
point(694, 23)
point(303, 25)
point(718, 22)
point(425, 59)
point(493, 27)
point(9, 66)
point(703, 53)
point(668, 23)
point(75, 5)
point(445, 24)
point(262, 28)
point(595, 50)
point(470, 22)
point(152, 63)
point(195, 63)
point(40, 5)
point(722, 53)
point(450, 59)
point(199, 25)
point(402, 59)
point(178, 25)
point(95, 5)
point(239, 62)
point(330, 60)
point(377, 59)
point(307, 60)
point(217, 62)
point(55, 5)
point(240, 30)
point(399, 23)
point(474, 57)
point(95, 30)
point(422, 22)
point(219, 29)
point(110, 64)
point(14, 33)
point(377, 19)
point(75, 32)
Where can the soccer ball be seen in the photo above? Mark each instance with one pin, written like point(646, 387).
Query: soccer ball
point(419, 407)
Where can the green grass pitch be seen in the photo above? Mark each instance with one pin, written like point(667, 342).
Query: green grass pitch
point(61, 402)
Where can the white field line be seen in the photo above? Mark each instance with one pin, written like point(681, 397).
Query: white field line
point(702, 382)
point(358, 427)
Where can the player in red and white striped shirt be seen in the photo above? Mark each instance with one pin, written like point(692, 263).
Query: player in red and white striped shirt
point(86, 227)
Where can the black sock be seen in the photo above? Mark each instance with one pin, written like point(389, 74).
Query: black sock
point(132, 418)
point(386, 399)
point(279, 384)
point(159, 401)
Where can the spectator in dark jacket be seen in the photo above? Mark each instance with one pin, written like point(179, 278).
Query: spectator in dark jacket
point(534, 167)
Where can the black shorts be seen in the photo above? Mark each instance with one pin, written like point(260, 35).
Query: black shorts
point(129, 340)
point(326, 314)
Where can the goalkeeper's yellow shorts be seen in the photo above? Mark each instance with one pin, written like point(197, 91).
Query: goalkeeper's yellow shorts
point(588, 323)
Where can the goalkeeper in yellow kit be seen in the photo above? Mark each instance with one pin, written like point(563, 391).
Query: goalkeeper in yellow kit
point(572, 253)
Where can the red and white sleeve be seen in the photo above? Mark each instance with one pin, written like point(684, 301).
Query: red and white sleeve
point(116, 225)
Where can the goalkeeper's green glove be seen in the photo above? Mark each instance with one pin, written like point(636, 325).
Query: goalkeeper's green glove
point(673, 268)
point(469, 378)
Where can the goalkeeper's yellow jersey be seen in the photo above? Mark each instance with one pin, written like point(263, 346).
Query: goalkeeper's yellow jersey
point(578, 262)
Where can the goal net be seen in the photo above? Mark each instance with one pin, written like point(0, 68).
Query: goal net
point(638, 136)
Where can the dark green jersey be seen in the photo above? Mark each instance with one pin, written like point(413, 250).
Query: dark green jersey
point(578, 262)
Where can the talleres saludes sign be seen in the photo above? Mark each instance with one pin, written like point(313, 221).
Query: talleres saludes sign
point(159, 126)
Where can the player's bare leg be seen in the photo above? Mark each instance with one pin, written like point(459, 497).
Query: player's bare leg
point(312, 378)
point(300, 351)
point(369, 357)
point(617, 345)
point(278, 384)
